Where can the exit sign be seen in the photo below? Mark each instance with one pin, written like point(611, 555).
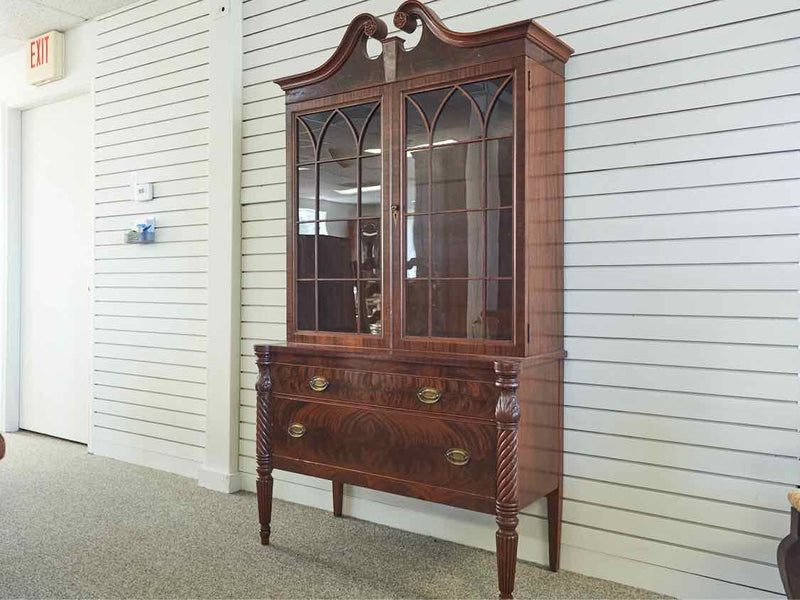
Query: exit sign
point(45, 58)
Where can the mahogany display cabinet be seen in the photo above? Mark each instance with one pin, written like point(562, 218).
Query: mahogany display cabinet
point(425, 253)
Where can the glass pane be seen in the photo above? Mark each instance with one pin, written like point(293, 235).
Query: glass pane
point(371, 187)
point(457, 307)
point(338, 191)
point(338, 140)
point(416, 130)
point(483, 92)
point(417, 307)
point(499, 171)
point(338, 249)
point(370, 249)
point(499, 243)
point(305, 253)
point(305, 146)
point(457, 240)
point(358, 115)
point(370, 308)
point(306, 194)
point(417, 181)
point(501, 121)
point(337, 306)
point(371, 140)
point(316, 122)
point(306, 302)
point(456, 177)
point(458, 121)
point(429, 101)
point(499, 309)
point(417, 246)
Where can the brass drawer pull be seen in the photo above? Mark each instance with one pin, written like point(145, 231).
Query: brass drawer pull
point(297, 430)
point(457, 456)
point(428, 395)
point(318, 383)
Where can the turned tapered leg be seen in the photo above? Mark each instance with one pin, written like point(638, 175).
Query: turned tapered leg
point(338, 494)
point(264, 442)
point(554, 503)
point(507, 493)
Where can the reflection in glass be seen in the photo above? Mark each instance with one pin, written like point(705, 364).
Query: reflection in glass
point(457, 307)
point(499, 242)
point(416, 308)
point(358, 115)
point(306, 304)
point(338, 194)
point(483, 92)
point(456, 177)
point(338, 250)
point(417, 246)
point(306, 194)
point(499, 309)
point(429, 101)
point(370, 307)
point(457, 241)
point(371, 187)
point(337, 306)
point(499, 172)
point(417, 181)
point(416, 130)
point(501, 119)
point(306, 254)
point(316, 122)
point(371, 140)
point(458, 120)
point(338, 140)
point(305, 146)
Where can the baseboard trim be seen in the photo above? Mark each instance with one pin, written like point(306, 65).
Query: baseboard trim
point(145, 458)
point(227, 483)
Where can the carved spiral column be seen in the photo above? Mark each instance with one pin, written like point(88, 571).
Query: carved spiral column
point(507, 495)
point(264, 441)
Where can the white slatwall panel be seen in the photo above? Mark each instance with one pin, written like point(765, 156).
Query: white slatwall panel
point(151, 116)
point(683, 180)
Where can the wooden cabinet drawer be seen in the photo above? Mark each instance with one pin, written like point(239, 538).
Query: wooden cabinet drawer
point(437, 395)
point(401, 446)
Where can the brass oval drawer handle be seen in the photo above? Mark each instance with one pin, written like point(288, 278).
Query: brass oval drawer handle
point(457, 456)
point(297, 430)
point(318, 383)
point(428, 395)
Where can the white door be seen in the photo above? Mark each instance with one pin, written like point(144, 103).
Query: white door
point(57, 239)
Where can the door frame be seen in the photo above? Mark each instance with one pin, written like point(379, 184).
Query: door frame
point(11, 258)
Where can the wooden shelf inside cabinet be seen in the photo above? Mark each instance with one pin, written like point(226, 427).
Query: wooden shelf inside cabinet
point(425, 259)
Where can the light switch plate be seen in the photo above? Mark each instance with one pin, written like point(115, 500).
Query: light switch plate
point(142, 192)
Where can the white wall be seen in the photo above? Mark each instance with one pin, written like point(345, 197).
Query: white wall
point(150, 323)
point(682, 278)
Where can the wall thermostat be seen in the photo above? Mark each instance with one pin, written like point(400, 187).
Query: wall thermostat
point(140, 192)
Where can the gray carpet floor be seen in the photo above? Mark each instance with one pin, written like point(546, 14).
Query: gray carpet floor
point(79, 526)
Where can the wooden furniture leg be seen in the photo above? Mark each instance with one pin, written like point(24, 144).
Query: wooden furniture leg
point(2, 447)
point(789, 552)
point(554, 503)
point(338, 494)
point(507, 495)
point(264, 444)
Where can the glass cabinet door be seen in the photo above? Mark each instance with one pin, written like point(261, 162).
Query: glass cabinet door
point(338, 220)
point(458, 242)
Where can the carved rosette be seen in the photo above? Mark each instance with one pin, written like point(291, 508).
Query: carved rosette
point(403, 22)
point(507, 414)
point(264, 440)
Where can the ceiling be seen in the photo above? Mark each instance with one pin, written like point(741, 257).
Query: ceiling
point(21, 20)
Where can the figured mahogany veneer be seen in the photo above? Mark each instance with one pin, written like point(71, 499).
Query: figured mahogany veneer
point(425, 275)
